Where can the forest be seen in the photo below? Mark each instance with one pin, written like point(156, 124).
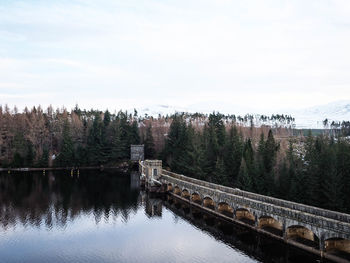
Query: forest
point(313, 170)
point(60, 138)
point(255, 153)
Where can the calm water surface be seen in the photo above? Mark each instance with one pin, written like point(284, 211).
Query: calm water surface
point(105, 217)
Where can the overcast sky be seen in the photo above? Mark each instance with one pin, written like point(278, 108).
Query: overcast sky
point(125, 54)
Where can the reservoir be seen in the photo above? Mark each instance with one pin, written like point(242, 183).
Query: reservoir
point(105, 216)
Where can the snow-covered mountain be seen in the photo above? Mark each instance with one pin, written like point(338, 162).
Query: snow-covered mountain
point(313, 117)
point(304, 118)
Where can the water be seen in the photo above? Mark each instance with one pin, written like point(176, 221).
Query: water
point(105, 217)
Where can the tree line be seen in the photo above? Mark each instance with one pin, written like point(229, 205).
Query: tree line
point(37, 138)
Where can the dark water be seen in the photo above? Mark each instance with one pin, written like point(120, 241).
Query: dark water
point(105, 217)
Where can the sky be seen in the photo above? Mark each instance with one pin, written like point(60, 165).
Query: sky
point(125, 54)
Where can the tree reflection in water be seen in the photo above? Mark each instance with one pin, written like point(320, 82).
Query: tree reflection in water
point(37, 199)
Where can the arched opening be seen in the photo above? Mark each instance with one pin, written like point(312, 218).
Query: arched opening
point(245, 216)
point(225, 209)
point(271, 225)
point(169, 188)
point(302, 235)
point(339, 247)
point(185, 194)
point(177, 190)
point(196, 198)
point(208, 203)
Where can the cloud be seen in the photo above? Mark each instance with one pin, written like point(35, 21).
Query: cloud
point(175, 52)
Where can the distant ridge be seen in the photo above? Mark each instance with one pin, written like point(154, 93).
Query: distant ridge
point(307, 118)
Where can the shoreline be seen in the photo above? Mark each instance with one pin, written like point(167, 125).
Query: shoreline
point(69, 168)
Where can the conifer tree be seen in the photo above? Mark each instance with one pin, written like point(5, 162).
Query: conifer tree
point(248, 156)
point(232, 154)
point(259, 177)
point(18, 160)
point(66, 156)
point(150, 152)
point(94, 141)
point(270, 151)
point(267, 151)
point(171, 149)
point(182, 155)
point(211, 151)
point(244, 180)
point(331, 194)
point(134, 133)
point(116, 143)
point(310, 168)
point(44, 160)
point(284, 181)
point(343, 170)
point(29, 161)
point(220, 176)
point(106, 147)
point(106, 118)
point(198, 156)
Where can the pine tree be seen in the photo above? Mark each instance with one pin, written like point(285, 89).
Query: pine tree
point(317, 168)
point(80, 156)
point(198, 156)
point(244, 180)
point(311, 170)
point(212, 150)
point(171, 149)
point(267, 151)
point(288, 177)
point(183, 154)
point(66, 156)
point(44, 160)
point(259, 177)
point(94, 141)
point(134, 133)
point(232, 154)
point(29, 160)
point(248, 156)
point(220, 176)
point(116, 145)
point(270, 151)
point(18, 160)
point(106, 118)
point(343, 170)
point(106, 147)
point(149, 144)
point(331, 195)
point(129, 134)
point(283, 182)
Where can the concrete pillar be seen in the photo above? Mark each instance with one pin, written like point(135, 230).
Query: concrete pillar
point(284, 230)
point(256, 223)
point(216, 205)
point(322, 245)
